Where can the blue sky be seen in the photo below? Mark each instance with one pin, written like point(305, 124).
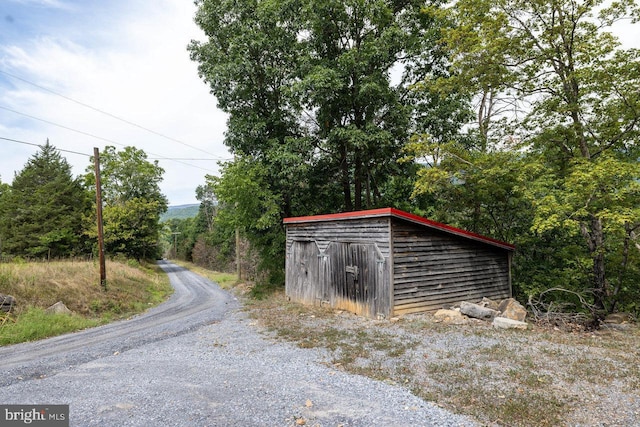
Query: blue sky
point(127, 58)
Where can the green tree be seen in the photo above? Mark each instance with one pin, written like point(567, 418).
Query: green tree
point(133, 202)
point(131, 228)
point(247, 203)
point(315, 113)
point(127, 175)
point(575, 119)
point(42, 213)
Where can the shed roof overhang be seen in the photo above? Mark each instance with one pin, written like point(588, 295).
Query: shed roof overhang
point(395, 213)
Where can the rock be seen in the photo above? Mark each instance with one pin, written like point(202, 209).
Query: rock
point(617, 318)
point(489, 303)
point(512, 309)
point(477, 311)
point(58, 308)
point(453, 317)
point(7, 302)
point(506, 323)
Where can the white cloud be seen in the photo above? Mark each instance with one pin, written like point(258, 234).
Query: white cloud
point(142, 74)
point(57, 4)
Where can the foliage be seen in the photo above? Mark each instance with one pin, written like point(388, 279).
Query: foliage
point(131, 229)
point(38, 285)
point(347, 105)
point(34, 324)
point(554, 88)
point(41, 213)
point(317, 117)
point(127, 175)
point(132, 202)
point(248, 204)
point(475, 190)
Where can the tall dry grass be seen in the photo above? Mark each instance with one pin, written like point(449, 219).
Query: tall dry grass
point(130, 288)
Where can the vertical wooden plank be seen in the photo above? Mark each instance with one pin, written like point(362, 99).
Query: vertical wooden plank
point(390, 270)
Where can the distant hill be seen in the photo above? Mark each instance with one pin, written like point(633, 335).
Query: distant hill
point(180, 212)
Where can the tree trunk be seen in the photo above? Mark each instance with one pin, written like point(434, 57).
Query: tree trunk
point(595, 241)
point(346, 183)
point(358, 182)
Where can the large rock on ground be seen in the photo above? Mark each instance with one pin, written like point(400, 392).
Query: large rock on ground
point(477, 311)
point(451, 317)
point(58, 308)
point(7, 302)
point(505, 323)
point(512, 309)
point(617, 318)
point(489, 303)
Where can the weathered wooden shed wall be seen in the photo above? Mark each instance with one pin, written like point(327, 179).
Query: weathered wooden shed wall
point(344, 264)
point(387, 262)
point(433, 269)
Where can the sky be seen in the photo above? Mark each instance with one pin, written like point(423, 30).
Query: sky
point(67, 67)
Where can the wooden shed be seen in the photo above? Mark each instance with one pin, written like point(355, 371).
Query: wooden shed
point(385, 262)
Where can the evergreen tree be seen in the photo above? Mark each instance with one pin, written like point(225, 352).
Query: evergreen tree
point(41, 215)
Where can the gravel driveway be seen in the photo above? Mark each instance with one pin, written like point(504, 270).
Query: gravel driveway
point(198, 361)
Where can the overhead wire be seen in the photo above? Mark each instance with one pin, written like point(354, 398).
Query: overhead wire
point(106, 113)
point(159, 156)
point(40, 145)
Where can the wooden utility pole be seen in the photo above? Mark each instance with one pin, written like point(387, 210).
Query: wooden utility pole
point(103, 270)
point(175, 244)
point(238, 267)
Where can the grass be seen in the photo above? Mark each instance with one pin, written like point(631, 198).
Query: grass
point(34, 324)
point(131, 289)
point(536, 377)
point(224, 280)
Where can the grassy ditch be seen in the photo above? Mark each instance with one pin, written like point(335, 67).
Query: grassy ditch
point(224, 280)
point(541, 377)
point(131, 288)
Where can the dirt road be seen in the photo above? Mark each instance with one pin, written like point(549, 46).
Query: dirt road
point(194, 303)
point(197, 360)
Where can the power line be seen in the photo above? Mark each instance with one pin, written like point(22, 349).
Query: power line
point(40, 146)
point(88, 155)
point(107, 113)
point(160, 157)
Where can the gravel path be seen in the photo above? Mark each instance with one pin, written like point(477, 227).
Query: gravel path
point(208, 368)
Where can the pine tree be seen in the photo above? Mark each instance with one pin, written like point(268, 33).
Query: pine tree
point(41, 215)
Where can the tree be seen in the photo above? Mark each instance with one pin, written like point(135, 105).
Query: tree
point(127, 175)
point(315, 111)
point(132, 202)
point(131, 228)
point(556, 62)
point(42, 213)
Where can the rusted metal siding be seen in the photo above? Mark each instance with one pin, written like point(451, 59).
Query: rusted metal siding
point(433, 269)
point(344, 264)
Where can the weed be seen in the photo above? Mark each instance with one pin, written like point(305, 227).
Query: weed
point(34, 324)
point(501, 378)
point(224, 280)
point(38, 285)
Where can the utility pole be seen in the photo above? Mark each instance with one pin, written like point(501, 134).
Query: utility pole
point(238, 267)
point(175, 243)
point(103, 270)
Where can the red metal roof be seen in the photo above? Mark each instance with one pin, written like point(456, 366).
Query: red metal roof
point(402, 215)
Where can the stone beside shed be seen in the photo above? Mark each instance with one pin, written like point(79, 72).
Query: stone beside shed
point(386, 262)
